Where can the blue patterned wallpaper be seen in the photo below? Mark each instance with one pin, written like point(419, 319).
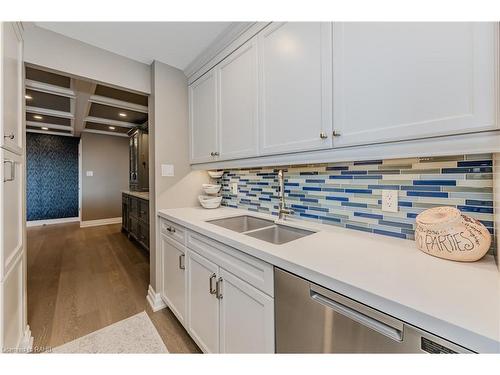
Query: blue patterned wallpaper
point(52, 176)
point(349, 194)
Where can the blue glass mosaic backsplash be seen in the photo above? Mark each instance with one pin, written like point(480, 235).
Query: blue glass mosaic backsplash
point(350, 194)
point(52, 176)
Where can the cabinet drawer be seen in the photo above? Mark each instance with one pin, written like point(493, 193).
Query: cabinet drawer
point(144, 210)
point(250, 269)
point(173, 231)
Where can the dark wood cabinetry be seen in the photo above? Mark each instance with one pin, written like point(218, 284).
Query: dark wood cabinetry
point(135, 218)
point(139, 160)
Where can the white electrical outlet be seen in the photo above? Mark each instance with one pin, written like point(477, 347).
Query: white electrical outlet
point(234, 188)
point(167, 170)
point(390, 200)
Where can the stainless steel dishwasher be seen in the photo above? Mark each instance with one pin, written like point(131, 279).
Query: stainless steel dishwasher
point(312, 319)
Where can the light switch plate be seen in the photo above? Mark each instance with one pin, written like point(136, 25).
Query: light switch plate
point(167, 170)
point(234, 188)
point(90, 173)
point(390, 200)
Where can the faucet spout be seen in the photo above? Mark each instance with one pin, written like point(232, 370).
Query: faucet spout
point(282, 210)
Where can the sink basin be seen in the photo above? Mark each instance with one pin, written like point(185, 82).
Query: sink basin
point(279, 234)
point(242, 224)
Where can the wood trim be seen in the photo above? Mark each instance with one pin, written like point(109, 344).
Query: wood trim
point(95, 223)
point(38, 223)
point(49, 112)
point(154, 299)
point(118, 103)
point(49, 89)
point(215, 53)
point(104, 132)
point(49, 132)
point(229, 35)
point(100, 120)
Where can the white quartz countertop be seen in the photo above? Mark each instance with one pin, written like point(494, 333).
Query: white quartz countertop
point(457, 301)
point(138, 194)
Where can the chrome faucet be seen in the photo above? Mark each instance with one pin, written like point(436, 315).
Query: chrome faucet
point(282, 210)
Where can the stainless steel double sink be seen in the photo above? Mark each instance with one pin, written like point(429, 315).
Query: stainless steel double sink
point(262, 229)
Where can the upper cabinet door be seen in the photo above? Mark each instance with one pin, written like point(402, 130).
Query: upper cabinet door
point(203, 118)
point(295, 61)
point(12, 86)
point(237, 84)
point(396, 81)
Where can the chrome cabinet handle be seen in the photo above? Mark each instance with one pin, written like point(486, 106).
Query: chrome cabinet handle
point(171, 229)
point(9, 136)
point(210, 285)
point(181, 262)
point(218, 288)
point(323, 135)
point(12, 170)
point(336, 133)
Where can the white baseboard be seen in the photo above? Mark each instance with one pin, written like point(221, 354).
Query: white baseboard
point(95, 223)
point(154, 300)
point(37, 223)
point(26, 343)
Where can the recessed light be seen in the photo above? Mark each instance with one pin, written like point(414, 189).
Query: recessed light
point(122, 114)
point(38, 117)
point(44, 128)
point(28, 97)
point(112, 128)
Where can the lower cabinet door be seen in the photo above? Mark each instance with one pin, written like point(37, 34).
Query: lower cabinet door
point(203, 311)
point(246, 317)
point(174, 277)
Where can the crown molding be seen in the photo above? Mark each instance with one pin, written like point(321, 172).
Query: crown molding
point(228, 41)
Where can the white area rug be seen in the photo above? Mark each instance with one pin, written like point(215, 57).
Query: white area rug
point(136, 334)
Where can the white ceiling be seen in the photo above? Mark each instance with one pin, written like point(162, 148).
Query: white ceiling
point(173, 43)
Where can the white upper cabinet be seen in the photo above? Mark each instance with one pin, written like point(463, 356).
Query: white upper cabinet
point(12, 87)
point(396, 81)
point(203, 119)
point(295, 62)
point(237, 103)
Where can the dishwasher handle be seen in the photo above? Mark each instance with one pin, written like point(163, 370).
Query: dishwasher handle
point(393, 331)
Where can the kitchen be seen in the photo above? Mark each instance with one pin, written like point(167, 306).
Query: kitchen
point(302, 187)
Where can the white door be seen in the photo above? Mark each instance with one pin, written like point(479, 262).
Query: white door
point(203, 118)
point(12, 87)
point(12, 254)
point(295, 89)
point(246, 317)
point(237, 103)
point(203, 305)
point(174, 276)
point(395, 81)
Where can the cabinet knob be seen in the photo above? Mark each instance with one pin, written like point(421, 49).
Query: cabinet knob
point(215, 153)
point(9, 136)
point(336, 133)
point(323, 135)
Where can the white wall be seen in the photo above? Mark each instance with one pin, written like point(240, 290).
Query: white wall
point(55, 51)
point(168, 129)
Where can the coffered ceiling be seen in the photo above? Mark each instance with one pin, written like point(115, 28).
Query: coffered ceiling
point(62, 105)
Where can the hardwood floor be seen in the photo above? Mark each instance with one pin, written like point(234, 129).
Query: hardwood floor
point(83, 279)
